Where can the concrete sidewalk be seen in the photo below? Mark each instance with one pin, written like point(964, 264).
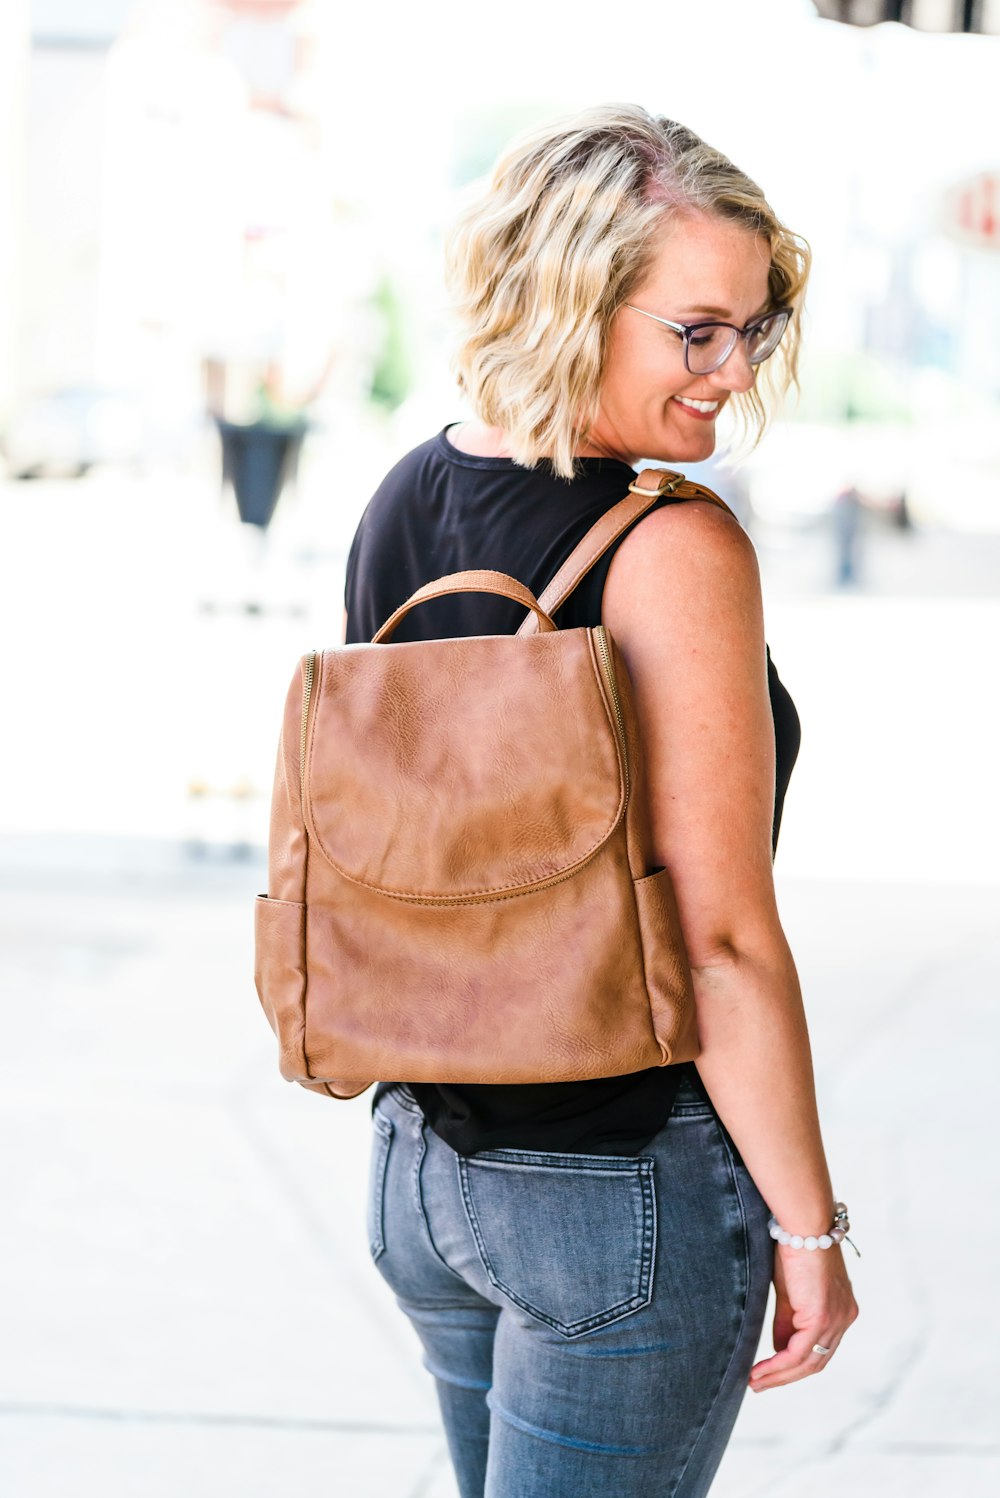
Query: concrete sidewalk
point(190, 1309)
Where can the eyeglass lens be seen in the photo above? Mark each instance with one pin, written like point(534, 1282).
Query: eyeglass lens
point(708, 348)
point(765, 337)
point(711, 346)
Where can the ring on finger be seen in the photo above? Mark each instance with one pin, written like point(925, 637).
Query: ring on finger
point(823, 1351)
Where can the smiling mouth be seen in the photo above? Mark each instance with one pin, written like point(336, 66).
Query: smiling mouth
point(697, 405)
point(705, 410)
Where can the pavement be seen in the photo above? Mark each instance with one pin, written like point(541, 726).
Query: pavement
point(190, 1309)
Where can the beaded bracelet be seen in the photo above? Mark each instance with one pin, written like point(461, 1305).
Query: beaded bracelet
point(837, 1234)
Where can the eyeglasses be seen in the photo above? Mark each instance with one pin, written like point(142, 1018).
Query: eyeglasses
point(707, 345)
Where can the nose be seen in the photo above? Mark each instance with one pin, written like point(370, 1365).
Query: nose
point(735, 373)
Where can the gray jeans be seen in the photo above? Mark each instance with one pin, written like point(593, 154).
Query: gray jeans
point(590, 1320)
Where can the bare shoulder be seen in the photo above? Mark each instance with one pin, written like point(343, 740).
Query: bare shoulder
point(690, 522)
point(683, 604)
point(682, 555)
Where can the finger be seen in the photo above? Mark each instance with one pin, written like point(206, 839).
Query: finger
point(775, 1378)
point(782, 1329)
point(795, 1360)
point(789, 1376)
point(798, 1354)
point(784, 1312)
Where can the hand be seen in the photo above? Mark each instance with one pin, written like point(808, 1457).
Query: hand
point(815, 1303)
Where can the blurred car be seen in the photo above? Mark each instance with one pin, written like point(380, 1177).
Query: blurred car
point(69, 431)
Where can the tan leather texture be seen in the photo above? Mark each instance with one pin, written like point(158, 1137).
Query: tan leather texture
point(459, 879)
point(452, 778)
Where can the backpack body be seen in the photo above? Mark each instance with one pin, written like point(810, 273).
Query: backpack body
point(460, 886)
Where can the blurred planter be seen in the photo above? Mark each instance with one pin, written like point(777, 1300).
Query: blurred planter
point(258, 459)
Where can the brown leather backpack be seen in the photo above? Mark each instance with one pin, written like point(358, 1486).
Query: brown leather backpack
point(459, 881)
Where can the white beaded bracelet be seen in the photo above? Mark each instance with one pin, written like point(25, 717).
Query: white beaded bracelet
point(837, 1233)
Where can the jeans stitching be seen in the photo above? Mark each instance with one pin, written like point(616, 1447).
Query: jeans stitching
point(642, 1297)
point(403, 1100)
point(418, 1194)
point(734, 1178)
point(376, 1238)
point(561, 1160)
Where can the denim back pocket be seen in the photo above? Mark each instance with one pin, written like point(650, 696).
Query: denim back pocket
point(568, 1238)
point(381, 1139)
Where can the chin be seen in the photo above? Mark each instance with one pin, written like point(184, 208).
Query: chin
point(696, 449)
point(676, 453)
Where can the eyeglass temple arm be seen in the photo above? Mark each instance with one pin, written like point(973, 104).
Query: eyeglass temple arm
point(712, 322)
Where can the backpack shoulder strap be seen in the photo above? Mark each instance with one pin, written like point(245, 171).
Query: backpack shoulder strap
point(647, 487)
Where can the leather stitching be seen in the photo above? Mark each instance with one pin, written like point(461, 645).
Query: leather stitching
point(500, 892)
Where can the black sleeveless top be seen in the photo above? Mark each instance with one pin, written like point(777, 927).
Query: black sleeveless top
point(441, 510)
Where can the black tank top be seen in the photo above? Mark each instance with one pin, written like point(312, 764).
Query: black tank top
point(441, 510)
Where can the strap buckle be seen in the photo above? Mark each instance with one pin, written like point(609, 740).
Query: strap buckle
point(665, 484)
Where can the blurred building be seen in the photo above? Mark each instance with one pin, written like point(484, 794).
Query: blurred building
point(221, 205)
point(179, 228)
point(65, 61)
point(14, 30)
point(924, 15)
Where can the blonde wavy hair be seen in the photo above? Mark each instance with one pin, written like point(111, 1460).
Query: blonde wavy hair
point(538, 264)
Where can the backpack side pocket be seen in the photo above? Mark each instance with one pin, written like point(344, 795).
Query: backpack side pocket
point(280, 977)
point(666, 966)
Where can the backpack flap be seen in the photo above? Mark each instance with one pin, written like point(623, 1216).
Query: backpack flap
point(460, 769)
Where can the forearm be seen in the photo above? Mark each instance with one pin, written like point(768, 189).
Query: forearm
point(756, 1065)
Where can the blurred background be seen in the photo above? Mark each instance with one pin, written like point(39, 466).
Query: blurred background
point(222, 319)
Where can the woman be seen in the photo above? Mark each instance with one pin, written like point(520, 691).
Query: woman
point(618, 284)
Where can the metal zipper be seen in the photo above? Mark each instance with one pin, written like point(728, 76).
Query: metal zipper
point(306, 694)
point(605, 653)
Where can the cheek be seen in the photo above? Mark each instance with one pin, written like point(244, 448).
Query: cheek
point(639, 379)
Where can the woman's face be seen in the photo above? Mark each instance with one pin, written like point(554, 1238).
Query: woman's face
point(703, 267)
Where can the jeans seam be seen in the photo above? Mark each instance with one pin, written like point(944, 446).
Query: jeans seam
point(403, 1100)
point(610, 1314)
point(376, 1242)
point(744, 1226)
point(419, 1202)
point(561, 1160)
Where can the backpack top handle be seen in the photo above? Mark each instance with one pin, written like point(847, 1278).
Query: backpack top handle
point(470, 582)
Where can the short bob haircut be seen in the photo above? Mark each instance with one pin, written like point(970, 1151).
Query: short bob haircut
point(540, 262)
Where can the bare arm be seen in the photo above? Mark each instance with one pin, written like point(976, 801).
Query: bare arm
point(683, 603)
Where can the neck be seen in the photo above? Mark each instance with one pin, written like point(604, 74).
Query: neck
point(482, 441)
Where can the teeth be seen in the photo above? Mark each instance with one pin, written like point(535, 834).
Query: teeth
point(698, 405)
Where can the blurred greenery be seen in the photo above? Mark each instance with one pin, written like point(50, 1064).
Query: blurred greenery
point(392, 377)
point(855, 386)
